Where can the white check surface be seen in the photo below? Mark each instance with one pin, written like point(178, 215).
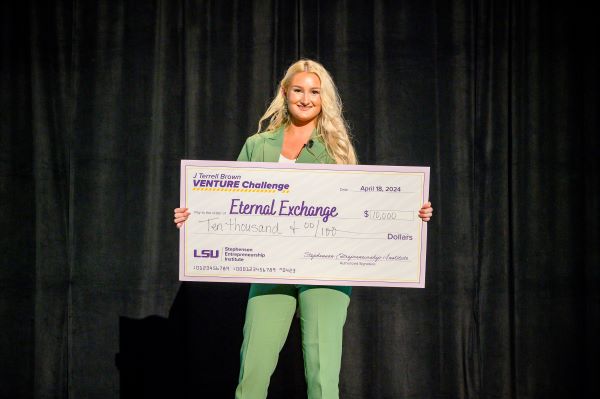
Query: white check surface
point(303, 224)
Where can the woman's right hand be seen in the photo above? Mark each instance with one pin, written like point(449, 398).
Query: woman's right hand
point(181, 215)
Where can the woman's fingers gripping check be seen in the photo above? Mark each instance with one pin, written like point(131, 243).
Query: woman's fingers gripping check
point(180, 215)
point(426, 212)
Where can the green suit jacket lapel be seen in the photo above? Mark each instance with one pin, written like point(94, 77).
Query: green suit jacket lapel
point(272, 146)
point(317, 153)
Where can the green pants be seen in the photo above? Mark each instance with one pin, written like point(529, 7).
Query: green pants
point(268, 318)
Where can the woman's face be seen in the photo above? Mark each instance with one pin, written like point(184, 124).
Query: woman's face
point(303, 97)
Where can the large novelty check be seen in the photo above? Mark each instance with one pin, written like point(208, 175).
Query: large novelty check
point(303, 223)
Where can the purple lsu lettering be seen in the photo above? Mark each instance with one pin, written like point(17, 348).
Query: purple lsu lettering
point(206, 253)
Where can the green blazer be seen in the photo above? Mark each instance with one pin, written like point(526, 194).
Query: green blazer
point(266, 147)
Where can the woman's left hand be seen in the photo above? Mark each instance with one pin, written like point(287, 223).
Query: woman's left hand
point(426, 212)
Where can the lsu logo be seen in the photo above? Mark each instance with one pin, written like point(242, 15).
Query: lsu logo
point(206, 253)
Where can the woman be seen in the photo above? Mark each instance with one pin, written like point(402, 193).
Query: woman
point(305, 125)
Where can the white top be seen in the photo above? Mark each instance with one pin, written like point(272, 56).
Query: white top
point(283, 159)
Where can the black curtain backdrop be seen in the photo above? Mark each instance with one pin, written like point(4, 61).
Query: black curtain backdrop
point(100, 101)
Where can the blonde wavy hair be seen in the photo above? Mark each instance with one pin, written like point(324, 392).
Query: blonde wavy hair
point(331, 125)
